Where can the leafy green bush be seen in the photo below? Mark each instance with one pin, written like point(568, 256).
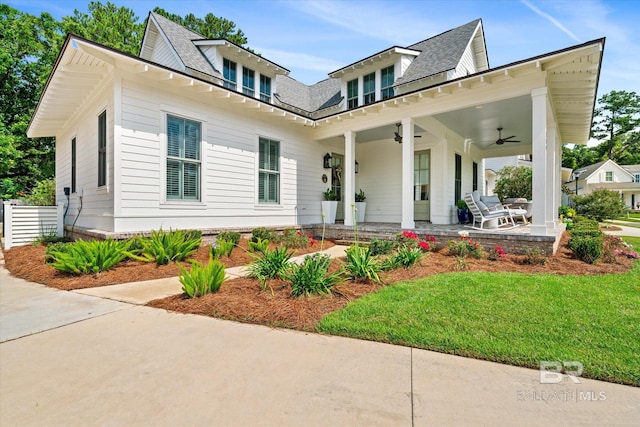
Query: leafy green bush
point(599, 205)
point(270, 264)
point(514, 182)
point(52, 248)
point(405, 257)
point(261, 233)
point(296, 239)
point(260, 245)
point(201, 280)
point(230, 236)
point(380, 247)
point(43, 194)
point(221, 248)
point(311, 277)
point(85, 257)
point(465, 247)
point(534, 256)
point(361, 265)
point(587, 248)
point(164, 247)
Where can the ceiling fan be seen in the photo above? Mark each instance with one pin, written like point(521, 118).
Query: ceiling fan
point(502, 140)
point(398, 136)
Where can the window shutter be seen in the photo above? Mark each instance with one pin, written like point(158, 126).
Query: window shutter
point(273, 188)
point(262, 186)
point(192, 140)
point(173, 179)
point(273, 156)
point(175, 136)
point(191, 180)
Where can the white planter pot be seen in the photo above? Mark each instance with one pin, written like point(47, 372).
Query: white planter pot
point(361, 207)
point(329, 209)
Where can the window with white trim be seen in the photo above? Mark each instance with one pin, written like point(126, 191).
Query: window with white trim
point(608, 176)
point(102, 149)
point(248, 81)
point(269, 171)
point(386, 82)
point(636, 177)
point(265, 88)
point(369, 88)
point(229, 73)
point(183, 159)
point(352, 93)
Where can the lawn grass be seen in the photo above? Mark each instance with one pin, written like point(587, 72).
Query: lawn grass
point(518, 319)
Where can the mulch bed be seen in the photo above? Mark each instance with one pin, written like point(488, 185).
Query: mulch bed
point(244, 299)
point(27, 262)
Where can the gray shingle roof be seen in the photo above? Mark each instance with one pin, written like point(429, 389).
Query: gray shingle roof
point(182, 41)
point(587, 171)
point(323, 94)
point(439, 53)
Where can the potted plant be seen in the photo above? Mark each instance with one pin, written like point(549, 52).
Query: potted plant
point(361, 205)
point(329, 206)
point(463, 212)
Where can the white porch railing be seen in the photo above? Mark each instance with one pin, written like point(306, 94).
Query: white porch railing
point(24, 224)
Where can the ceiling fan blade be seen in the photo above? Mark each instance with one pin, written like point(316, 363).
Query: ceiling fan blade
point(508, 137)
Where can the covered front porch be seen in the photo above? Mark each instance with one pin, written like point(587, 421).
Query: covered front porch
point(544, 102)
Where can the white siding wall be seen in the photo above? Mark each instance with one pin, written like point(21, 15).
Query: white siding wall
point(229, 168)
point(165, 55)
point(467, 64)
point(618, 175)
point(97, 202)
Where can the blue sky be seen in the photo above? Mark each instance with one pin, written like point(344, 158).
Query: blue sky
point(313, 38)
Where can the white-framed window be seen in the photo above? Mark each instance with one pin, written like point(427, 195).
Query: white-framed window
point(608, 176)
point(369, 88)
point(102, 149)
point(183, 158)
point(421, 163)
point(352, 93)
point(265, 88)
point(229, 73)
point(386, 82)
point(268, 171)
point(248, 81)
point(636, 177)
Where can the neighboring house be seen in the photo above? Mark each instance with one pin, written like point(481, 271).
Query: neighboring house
point(493, 165)
point(198, 133)
point(611, 176)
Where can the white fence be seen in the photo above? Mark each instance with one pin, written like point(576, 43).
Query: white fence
point(24, 224)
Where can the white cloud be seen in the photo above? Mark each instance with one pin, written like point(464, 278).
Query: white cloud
point(551, 19)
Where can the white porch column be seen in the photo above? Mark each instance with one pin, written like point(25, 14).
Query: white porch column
point(407, 174)
point(559, 181)
point(539, 152)
point(552, 179)
point(349, 176)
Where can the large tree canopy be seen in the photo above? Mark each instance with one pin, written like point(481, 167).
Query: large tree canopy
point(29, 46)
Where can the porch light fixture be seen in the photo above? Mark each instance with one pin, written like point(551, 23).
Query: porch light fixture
point(327, 158)
point(356, 168)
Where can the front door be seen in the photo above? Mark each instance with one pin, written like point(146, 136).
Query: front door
point(337, 173)
point(421, 185)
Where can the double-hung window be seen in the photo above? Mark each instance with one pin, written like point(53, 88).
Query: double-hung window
point(183, 159)
point(269, 171)
point(248, 81)
point(369, 88)
point(265, 88)
point(102, 149)
point(229, 73)
point(608, 176)
point(352, 93)
point(386, 82)
point(636, 177)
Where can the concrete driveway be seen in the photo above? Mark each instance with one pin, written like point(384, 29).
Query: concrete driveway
point(68, 359)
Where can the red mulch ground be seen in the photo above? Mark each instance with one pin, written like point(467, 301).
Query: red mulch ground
point(244, 300)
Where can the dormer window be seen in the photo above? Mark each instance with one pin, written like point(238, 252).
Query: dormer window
point(369, 88)
point(352, 93)
point(608, 176)
point(229, 73)
point(248, 81)
point(265, 88)
point(386, 83)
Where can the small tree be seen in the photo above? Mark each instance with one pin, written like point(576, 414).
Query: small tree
point(600, 204)
point(514, 182)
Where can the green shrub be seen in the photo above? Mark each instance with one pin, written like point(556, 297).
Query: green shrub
point(221, 248)
point(587, 248)
point(465, 247)
point(201, 280)
point(599, 205)
point(270, 264)
point(296, 239)
point(407, 238)
point(514, 182)
point(361, 265)
point(380, 247)
point(566, 211)
point(311, 277)
point(52, 248)
point(85, 257)
point(611, 246)
point(260, 245)
point(230, 236)
point(43, 194)
point(261, 233)
point(534, 256)
point(164, 247)
point(405, 257)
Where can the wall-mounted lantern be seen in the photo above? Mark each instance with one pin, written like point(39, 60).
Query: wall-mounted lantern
point(327, 161)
